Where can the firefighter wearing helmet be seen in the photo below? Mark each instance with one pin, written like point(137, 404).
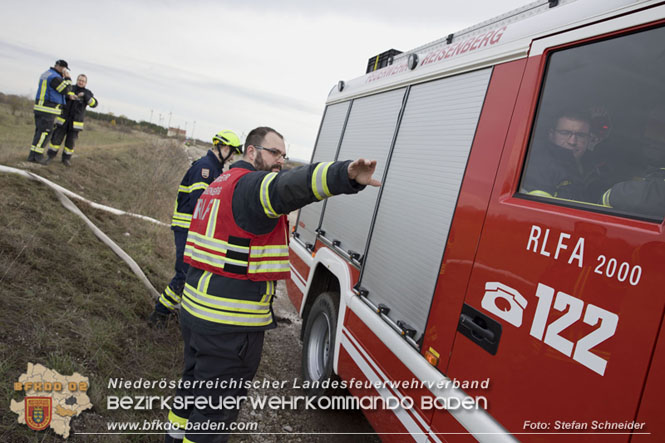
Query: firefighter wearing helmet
point(202, 172)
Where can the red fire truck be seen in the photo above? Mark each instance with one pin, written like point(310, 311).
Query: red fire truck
point(506, 280)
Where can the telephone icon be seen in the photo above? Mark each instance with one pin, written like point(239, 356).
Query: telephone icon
point(516, 303)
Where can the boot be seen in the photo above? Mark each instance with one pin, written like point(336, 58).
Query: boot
point(46, 160)
point(50, 155)
point(34, 157)
point(66, 161)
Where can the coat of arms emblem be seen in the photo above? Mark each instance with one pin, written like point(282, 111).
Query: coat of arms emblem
point(38, 412)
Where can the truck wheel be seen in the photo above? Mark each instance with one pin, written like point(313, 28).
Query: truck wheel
point(319, 342)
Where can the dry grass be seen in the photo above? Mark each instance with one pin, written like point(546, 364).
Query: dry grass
point(131, 171)
point(68, 302)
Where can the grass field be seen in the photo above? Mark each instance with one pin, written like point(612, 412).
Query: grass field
point(68, 302)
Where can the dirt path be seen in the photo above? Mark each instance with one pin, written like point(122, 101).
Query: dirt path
point(281, 362)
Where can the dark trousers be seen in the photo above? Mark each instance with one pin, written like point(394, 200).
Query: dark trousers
point(43, 127)
point(173, 292)
point(231, 357)
point(62, 132)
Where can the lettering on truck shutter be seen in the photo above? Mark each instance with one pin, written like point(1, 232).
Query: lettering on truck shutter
point(325, 150)
point(420, 193)
point(368, 134)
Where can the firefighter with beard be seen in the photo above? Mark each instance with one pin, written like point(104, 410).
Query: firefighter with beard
point(237, 248)
point(70, 123)
point(202, 172)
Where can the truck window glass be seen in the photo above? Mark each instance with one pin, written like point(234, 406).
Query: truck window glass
point(599, 136)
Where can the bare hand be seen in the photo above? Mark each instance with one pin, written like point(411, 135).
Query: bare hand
point(361, 171)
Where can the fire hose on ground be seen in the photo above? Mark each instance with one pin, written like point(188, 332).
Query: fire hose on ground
point(64, 194)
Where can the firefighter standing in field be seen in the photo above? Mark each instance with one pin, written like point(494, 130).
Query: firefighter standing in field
point(202, 172)
point(70, 123)
point(237, 248)
point(53, 90)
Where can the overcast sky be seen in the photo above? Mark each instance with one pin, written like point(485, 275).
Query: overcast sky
point(216, 65)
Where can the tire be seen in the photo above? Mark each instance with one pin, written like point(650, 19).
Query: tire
point(319, 342)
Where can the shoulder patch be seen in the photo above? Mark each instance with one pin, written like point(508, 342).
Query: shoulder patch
point(205, 172)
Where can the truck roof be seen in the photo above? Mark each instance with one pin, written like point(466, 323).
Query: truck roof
point(501, 39)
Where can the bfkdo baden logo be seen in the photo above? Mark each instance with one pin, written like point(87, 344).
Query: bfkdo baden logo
point(51, 399)
point(38, 412)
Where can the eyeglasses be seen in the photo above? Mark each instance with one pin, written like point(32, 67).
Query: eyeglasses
point(567, 134)
point(273, 151)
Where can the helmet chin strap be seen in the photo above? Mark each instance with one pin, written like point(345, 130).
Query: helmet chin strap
point(222, 159)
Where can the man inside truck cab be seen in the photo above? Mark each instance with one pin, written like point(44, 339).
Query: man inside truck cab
point(645, 195)
point(554, 168)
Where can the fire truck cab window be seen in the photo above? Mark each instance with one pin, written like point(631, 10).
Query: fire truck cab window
point(599, 136)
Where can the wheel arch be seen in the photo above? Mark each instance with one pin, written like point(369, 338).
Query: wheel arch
point(330, 273)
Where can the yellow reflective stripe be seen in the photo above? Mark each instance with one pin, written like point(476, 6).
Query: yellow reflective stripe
point(166, 302)
point(47, 109)
point(540, 193)
point(182, 215)
point(269, 266)
point(63, 85)
point(78, 125)
point(226, 304)
point(210, 258)
point(59, 121)
point(212, 219)
point(38, 147)
point(269, 251)
point(68, 150)
point(265, 195)
point(180, 224)
point(320, 181)
point(573, 201)
point(171, 293)
point(173, 418)
point(215, 244)
point(204, 281)
point(270, 291)
point(606, 198)
point(193, 187)
point(226, 318)
point(180, 219)
point(92, 103)
point(42, 93)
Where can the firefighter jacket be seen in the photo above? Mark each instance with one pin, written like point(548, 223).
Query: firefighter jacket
point(643, 197)
point(75, 109)
point(217, 244)
point(553, 172)
point(237, 243)
point(52, 91)
point(202, 172)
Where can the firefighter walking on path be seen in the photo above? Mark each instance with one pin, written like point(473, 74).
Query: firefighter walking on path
point(70, 123)
point(53, 90)
point(202, 172)
point(237, 248)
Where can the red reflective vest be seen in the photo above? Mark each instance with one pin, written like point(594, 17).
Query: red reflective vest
point(217, 244)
